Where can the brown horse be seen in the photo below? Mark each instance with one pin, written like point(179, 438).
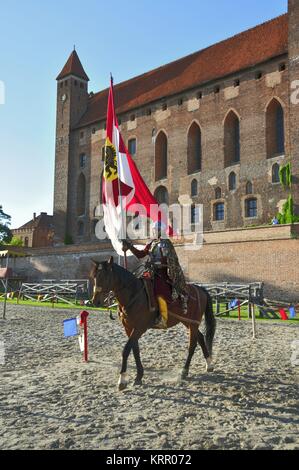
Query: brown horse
point(137, 318)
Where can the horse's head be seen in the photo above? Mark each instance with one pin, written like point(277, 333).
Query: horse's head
point(102, 280)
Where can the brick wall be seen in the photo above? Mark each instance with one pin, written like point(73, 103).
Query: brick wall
point(269, 255)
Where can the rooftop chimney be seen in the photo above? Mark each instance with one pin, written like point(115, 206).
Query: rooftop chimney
point(34, 215)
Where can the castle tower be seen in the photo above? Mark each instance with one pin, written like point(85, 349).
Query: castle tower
point(72, 100)
point(293, 7)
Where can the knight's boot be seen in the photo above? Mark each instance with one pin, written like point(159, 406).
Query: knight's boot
point(153, 307)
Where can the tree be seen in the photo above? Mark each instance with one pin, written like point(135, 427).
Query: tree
point(16, 241)
point(5, 232)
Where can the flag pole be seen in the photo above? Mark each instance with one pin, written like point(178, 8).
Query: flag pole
point(123, 231)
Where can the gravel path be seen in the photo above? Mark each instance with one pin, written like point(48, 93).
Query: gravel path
point(50, 399)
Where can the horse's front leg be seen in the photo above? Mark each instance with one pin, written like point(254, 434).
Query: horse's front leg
point(122, 382)
point(140, 370)
point(192, 347)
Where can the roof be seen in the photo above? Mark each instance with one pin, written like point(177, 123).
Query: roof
point(237, 53)
point(43, 221)
point(73, 66)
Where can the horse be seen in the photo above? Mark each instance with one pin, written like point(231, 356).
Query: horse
point(137, 317)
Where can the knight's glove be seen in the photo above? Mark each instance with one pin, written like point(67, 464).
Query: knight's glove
point(126, 245)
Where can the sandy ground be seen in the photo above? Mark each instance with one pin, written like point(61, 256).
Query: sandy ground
point(50, 399)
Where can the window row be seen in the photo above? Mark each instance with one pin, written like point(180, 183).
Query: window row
point(250, 210)
point(232, 183)
point(275, 141)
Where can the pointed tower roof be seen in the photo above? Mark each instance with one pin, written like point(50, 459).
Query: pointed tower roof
point(73, 67)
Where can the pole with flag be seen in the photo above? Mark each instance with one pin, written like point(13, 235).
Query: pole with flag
point(123, 187)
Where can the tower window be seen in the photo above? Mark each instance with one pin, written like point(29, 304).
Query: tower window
point(194, 188)
point(282, 67)
point(61, 85)
point(82, 160)
point(66, 83)
point(132, 144)
point(218, 193)
point(194, 151)
point(251, 208)
point(249, 188)
point(199, 95)
point(217, 90)
point(75, 82)
point(180, 101)
point(231, 139)
point(161, 154)
point(275, 173)
point(81, 135)
point(236, 83)
point(232, 181)
point(148, 112)
point(81, 85)
point(132, 117)
point(258, 75)
point(164, 106)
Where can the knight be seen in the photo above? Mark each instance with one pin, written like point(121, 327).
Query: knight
point(167, 280)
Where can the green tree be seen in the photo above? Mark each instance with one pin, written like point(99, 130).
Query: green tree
point(16, 241)
point(5, 232)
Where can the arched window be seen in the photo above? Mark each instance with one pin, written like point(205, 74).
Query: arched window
point(82, 160)
point(249, 188)
point(219, 211)
point(161, 195)
point(194, 149)
point(251, 207)
point(231, 139)
point(275, 173)
point(194, 188)
point(161, 156)
point(81, 195)
point(101, 187)
point(218, 193)
point(275, 129)
point(80, 229)
point(232, 181)
point(132, 146)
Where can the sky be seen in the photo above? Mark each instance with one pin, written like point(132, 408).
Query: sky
point(126, 38)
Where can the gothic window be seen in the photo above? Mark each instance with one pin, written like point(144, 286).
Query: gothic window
point(194, 149)
point(82, 160)
point(218, 193)
point(132, 146)
point(251, 207)
point(249, 188)
point(161, 152)
point(232, 181)
point(231, 139)
point(275, 173)
point(275, 129)
point(194, 188)
point(161, 195)
point(81, 195)
point(219, 211)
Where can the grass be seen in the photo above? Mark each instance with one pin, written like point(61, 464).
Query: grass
point(232, 314)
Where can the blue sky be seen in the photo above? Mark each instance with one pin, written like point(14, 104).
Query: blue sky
point(126, 38)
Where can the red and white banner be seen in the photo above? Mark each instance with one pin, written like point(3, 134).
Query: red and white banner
point(123, 186)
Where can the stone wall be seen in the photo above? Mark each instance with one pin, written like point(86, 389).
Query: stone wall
point(266, 254)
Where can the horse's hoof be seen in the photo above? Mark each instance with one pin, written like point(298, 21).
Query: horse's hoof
point(122, 387)
point(138, 383)
point(184, 374)
point(210, 368)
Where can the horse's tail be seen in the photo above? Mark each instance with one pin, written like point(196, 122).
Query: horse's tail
point(210, 322)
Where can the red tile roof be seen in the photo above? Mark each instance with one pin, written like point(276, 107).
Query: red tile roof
point(239, 52)
point(73, 66)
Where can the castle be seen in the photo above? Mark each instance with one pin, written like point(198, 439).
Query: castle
point(215, 125)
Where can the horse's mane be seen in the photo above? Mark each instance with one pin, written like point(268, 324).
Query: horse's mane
point(124, 274)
